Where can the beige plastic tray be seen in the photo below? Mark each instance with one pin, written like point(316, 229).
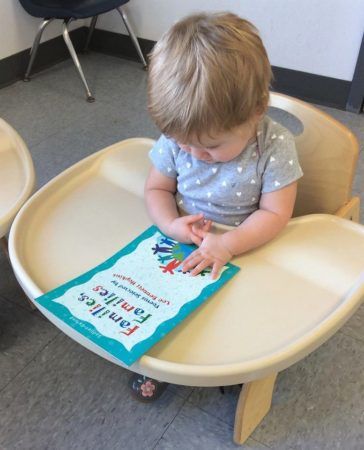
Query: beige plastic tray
point(289, 297)
point(16, 175)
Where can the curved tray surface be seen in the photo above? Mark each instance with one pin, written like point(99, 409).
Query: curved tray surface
point(289, 297)
point(16, 175)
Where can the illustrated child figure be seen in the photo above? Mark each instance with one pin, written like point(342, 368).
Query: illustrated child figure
point(220, 158)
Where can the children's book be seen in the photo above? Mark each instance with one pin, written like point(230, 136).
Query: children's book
point(133, 299)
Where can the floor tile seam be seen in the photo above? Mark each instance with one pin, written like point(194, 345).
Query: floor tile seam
point(175, 393)
point(226, 423)
point(28, 363)
point(260, 442)
point(45, 138)
point(210, 414)
point(178, 411)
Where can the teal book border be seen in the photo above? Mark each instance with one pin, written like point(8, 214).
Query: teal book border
point(112, 346)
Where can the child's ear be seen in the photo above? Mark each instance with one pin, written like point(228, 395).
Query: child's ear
point(260, 112)
point(257, 117)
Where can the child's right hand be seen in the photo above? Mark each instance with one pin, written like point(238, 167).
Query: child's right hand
point(181, 228)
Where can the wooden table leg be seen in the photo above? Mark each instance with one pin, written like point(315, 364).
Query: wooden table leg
point(254, 403)
point(351, 210)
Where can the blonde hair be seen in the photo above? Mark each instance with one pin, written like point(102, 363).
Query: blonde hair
point(208, 74)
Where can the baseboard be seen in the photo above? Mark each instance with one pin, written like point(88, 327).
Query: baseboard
point(119, 45)
point(49, 53)
point(310, 87)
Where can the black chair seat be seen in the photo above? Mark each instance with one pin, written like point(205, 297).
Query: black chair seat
point(64, 9)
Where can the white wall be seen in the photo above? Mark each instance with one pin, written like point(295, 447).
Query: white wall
point(18, 29)
point(316, 36)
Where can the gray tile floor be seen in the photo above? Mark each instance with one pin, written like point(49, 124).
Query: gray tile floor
point(57, 395)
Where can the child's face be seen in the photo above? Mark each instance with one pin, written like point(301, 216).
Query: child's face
point(222, 147)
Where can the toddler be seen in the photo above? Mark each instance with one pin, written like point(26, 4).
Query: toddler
point(220, 158)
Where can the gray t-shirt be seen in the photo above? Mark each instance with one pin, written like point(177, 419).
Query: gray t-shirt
point(228, 192)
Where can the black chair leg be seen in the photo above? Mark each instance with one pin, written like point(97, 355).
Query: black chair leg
point(76, 62)
point(123, 15)
point(90, 32)
point(34, 49)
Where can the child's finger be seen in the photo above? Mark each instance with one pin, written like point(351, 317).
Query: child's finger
point(192, 260)
point(207, 225)
point(216, 270)
point(193, 218)
point(200, 267)
point(195, 239)
point(190, 264)
point(199, 231)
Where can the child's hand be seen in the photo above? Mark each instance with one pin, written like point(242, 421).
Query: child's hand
point(200, 228)
point(184, 228)
point(212, 252)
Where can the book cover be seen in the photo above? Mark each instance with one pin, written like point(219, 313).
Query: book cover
point(133, 299)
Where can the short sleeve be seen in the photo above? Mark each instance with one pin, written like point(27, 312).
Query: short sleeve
point(163, 156)
point(282, 166)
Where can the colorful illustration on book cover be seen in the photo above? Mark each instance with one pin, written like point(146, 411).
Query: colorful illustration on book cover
point(129, 302)
point(172, 253)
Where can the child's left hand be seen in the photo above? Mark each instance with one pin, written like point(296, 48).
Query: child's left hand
point(212, 252)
